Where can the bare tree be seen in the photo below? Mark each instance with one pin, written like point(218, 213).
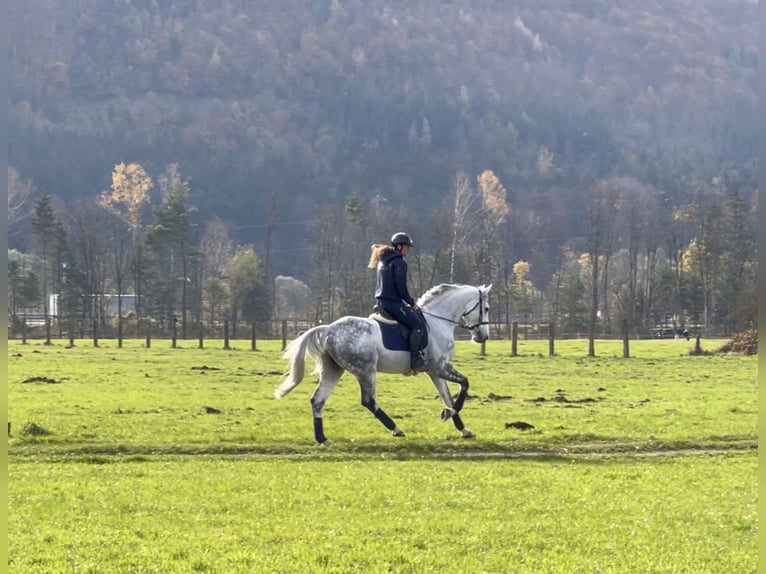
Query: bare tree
point(465, 200)
point(20, 192)
point(217, 250)
point(610, 198)
point(89, 246)
point(328, 231)
point(601, 208)
point(637, 218)
point(119, 259)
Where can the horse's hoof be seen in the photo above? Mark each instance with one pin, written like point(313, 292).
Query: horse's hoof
point(468, 434)
point(447, 414)
point(397, 432)
point(325, 443)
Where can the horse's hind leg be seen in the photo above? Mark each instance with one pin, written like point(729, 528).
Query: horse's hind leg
point(329, 375)
point(367, 383)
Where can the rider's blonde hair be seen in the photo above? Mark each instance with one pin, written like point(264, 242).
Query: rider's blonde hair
point(378, 250)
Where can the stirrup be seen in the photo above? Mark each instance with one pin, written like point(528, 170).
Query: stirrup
point(419, 365)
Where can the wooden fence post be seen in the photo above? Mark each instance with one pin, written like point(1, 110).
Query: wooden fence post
point(252, 337)
point(201, 335)
point(284, 335)
point(148, 335)
point(625, 343)
point(551, 339)
point(24, 330)
point(226, 335)
point(95, 333)
point(119, 331)
point(175, 333)
point(483, 348)
point(47, 330)
point(514, 339)
point(71, 331)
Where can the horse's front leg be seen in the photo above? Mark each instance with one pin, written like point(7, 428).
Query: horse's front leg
point(451, 412)
point(450, 373)
point(446, 397)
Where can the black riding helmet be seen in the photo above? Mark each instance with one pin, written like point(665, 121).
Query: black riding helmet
point(401, 238)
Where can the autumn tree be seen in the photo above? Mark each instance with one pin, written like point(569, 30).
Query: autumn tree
point(129, 195)
point(494, 215)
point(494, 246)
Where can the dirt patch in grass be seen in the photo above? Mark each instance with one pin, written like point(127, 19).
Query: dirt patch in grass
point(562, 398)
point(46, 380)
point(519, 425)
point(494, 397)
point(33, 429)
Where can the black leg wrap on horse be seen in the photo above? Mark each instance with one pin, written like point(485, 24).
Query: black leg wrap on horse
point(319, 430)
point(461, 397)
point(458, 422)
point(385, 419)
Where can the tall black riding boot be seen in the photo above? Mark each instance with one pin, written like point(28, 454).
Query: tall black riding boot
point(417, 357)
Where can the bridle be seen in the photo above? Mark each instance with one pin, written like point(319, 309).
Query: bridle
point(463, 322)
point(480, 304)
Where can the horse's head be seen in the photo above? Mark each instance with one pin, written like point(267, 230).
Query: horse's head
point(476, 316)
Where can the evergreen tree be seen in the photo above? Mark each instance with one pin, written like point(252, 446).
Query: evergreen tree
point(169, 238)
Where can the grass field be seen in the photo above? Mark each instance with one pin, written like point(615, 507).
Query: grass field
point(181, 460)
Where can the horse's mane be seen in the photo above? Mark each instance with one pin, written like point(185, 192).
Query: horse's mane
point(437, 292)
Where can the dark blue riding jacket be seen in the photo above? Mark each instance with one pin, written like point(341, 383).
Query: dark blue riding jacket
point(392, 278)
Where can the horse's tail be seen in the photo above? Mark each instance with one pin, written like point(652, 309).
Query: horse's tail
point(312, 341)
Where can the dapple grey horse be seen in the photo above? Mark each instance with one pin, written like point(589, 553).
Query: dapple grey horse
point(354, 344)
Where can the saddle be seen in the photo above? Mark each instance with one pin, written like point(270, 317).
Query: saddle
point(381, 316)
point(395, 335)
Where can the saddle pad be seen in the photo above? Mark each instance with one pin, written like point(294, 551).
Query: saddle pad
point(393, 339)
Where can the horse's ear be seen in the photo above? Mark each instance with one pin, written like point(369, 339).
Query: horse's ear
point(486, 288)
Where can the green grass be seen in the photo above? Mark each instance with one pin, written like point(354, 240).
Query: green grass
point(228, 515)
point(137, 400)
point(116, 466)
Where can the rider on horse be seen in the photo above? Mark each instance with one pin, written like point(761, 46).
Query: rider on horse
point(393, 296)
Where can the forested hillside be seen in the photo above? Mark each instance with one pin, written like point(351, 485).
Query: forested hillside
point(280, 113)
